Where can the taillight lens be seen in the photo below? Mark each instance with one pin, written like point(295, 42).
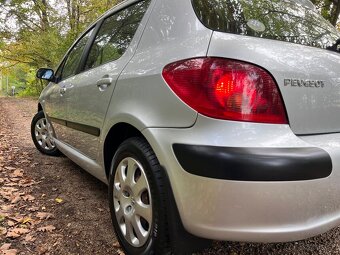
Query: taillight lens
point(227, 89)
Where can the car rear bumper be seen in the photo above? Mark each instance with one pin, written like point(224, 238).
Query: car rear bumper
point(251, 208)
point(254, 164)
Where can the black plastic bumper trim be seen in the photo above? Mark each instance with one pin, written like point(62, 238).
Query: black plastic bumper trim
point(254, 164)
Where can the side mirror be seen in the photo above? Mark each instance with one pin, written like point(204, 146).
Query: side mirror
point(45, 74)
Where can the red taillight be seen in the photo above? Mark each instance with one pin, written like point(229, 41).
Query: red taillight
point(227, 89)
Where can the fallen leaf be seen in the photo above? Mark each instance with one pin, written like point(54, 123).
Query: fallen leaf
point(26, 220)
point(5, 247)
point(18, 173)
point(26, 184)
point(9, 168)
point(2, 212)
point(120, 252)
point(29, 238)
point(44, 216)
point(25, 161)
point(16, 232)
point(12, 235)
point(28, 198)
point(3, 231)
point(7, 208)
point(9, 189)
point(2, 217)
point(17, 218)
point(10, 223)
point(116, 245)
point(12, 184)
point(41, 250)
point(10, 252)
point(48, 228)
point(15, 199)
point(59, 200)
point(33, 209)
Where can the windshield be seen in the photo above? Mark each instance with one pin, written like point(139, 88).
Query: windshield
point(284, 20)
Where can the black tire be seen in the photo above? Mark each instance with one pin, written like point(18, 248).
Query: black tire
point(48, 149)
point(158, 239)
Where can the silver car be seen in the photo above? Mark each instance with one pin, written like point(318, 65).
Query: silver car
point(208, 119)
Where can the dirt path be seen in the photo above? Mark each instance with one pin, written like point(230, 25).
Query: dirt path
point(77, 201)
point(50, 205)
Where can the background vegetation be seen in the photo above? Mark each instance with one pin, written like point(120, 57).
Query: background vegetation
point(37, 33)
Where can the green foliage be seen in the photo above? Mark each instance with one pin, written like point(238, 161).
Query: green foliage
point(32, 85)
point(37, 33)
point(330, 9)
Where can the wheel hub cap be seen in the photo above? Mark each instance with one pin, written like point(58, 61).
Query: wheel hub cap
point(43, 130)
point(132, 202)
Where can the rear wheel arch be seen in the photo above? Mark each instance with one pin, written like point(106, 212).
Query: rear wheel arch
point(115, 137)
point(173, 237)
point(40, 108)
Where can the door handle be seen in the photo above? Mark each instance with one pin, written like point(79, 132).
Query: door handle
point(62, 91)
point(104, 82)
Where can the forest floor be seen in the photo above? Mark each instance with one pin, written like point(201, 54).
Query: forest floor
point(49, 205)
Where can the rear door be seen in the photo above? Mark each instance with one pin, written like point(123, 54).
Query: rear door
point(62, 94)
point(112, 48)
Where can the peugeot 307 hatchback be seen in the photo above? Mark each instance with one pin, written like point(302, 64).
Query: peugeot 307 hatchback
point(208, 119)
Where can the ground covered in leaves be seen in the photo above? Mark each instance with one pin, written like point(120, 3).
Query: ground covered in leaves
point(49, 205)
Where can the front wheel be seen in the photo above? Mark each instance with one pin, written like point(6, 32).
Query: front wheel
point(41, 132)
point(137, 199)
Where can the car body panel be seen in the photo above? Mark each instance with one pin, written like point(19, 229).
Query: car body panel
point(311, 110)
point(91, 166)
point(57, 99)
point(249, 211)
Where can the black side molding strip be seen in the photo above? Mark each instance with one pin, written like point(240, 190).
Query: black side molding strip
point(254, 164)
point(77, 126)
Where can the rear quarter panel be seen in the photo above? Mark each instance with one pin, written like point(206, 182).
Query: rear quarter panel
point(142, 98)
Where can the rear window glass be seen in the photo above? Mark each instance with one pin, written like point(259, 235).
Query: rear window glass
point(284, 20)
point(115, 34)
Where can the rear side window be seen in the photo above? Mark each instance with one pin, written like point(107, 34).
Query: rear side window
point(73, 59)
point(293, 21)
point(115, 35)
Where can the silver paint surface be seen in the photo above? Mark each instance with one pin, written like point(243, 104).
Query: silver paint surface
point(216, 209)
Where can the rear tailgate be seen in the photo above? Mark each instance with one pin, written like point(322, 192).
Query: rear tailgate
point(308, 77)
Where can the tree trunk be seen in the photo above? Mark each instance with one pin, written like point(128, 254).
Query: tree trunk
point(335, 13)
point(44, 16)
